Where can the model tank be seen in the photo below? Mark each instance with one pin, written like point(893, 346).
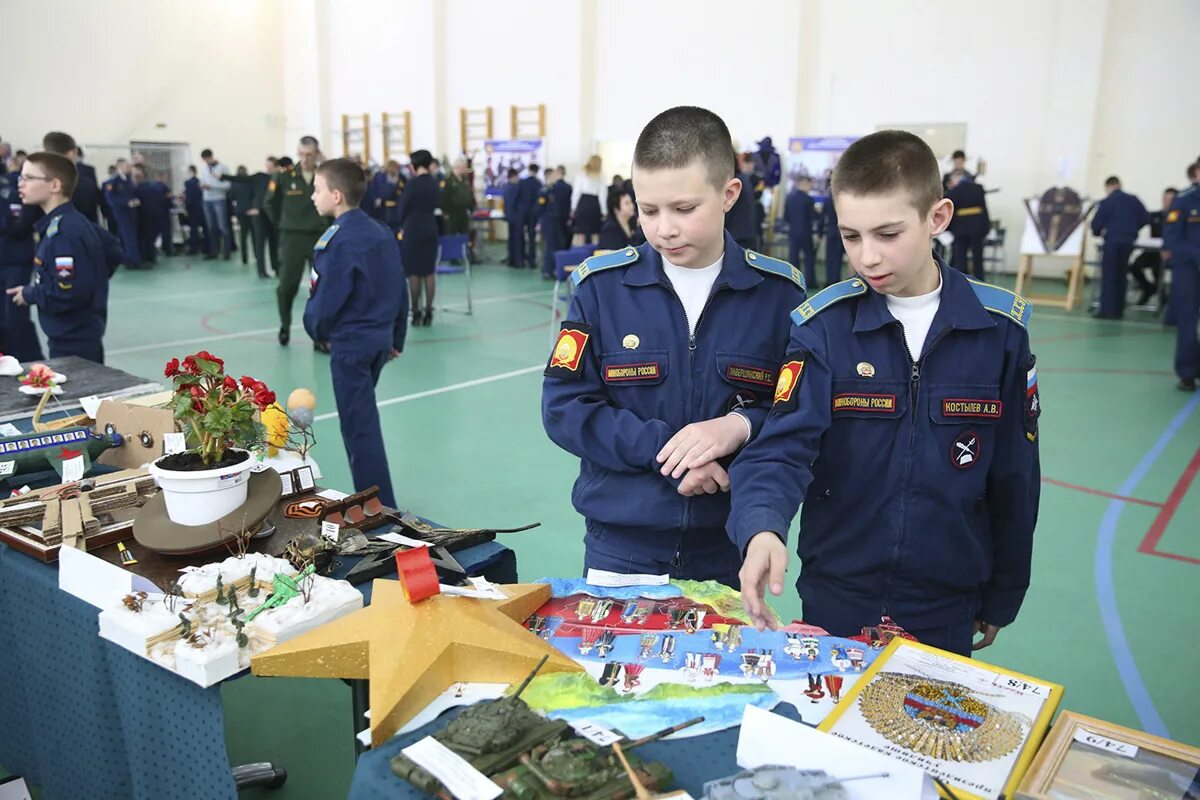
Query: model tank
point(580, 769)
point(492, 735)
point(779, 783)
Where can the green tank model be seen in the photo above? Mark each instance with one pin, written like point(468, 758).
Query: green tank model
point(582, 770)
point(492, 735)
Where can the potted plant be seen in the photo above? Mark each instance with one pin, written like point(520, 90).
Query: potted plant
point(217, 415)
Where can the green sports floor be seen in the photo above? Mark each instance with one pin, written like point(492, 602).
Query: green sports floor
point(1113, 612)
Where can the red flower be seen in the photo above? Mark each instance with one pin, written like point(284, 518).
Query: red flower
point(172, 368)
point(198, 407)
point(190, 366)
point(230, 384)
point(207, 356)
point(264, 399)
point(195, 391)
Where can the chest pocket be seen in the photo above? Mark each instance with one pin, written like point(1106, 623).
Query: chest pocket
point(966, 404)
point(869, 399)
point(641, 368)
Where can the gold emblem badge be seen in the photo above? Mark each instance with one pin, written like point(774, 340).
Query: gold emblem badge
point(631, 341)
point(866, 370)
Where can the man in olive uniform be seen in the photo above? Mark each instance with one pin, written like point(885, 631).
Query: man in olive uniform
point(290, 208)
point(458, 199)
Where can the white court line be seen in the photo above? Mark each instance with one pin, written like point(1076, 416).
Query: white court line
point(244, 334)
point(454, 387)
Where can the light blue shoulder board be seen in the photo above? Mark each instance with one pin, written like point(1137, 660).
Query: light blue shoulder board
point(326, 237)
point(827, 297)
point(52, 228)
point(775, 267)
point(617, 258)
point(1003, 302)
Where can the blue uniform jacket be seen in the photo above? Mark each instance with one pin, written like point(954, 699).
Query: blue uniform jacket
point(1181, 228)
point(193, 200)
point(359, 298)
point(119, 191)
point(1120, 216)
point(562, 199)
point(16, 225)
point(510, 202)
point(971, 217)
point(625, 376)
point(86, 197)
point(800, 211)
point(70, 285)
point(528, 189)
point(920, 480)
point(387, 197)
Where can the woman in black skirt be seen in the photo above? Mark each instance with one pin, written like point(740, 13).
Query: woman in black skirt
point(418, 225)
point(585, 203)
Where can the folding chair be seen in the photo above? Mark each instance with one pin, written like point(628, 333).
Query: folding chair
point(455, 248)
point(565, 262)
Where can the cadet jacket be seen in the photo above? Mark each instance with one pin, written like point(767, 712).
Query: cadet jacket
point(528, 189)
point(86, 198)
point(1120, 216)
point(625, 376)
point(193, 200)
point(970, 210)
point(70, 285)
point(742, 220)
point(512, 213)
point(800, 211)
point(359, 297)
point(387, 197)
point(289, 203)
point(118, 192)
point(920, 480)
point(1181, 229)
point(16, 225)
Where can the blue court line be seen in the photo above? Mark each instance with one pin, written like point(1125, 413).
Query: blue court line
point(1110, 617)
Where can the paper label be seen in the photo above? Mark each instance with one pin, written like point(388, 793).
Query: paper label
point(90, 404)
point(173, 443)
point(480, 589)
point(304, 477)
point(399, 538)
point(259, 467)
point(330, 530)
point(1106, 744)
point(285, 478)
point(461, 779)
point(14, 789)
point(8, 429)
point(72, 469)
point(601, 577)
point(8, 468)
point(332, 494)
point(595, 733)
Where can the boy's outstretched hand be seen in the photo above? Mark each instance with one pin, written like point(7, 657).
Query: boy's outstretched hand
point(764, 566)
point(701, 442)
point(708, 479)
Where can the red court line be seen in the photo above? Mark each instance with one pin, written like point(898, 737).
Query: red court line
point(1149, 544)
point(1101, 493)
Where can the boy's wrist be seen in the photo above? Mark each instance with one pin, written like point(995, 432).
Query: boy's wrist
point(749, 426)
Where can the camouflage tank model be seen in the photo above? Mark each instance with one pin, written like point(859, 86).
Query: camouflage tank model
point(580, 769)
point(492, 735)
point(779, 783)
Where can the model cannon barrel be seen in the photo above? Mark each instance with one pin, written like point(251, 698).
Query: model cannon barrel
point(665, 732)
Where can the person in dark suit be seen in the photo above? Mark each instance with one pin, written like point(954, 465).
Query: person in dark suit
point(419, 232)
point(516, 224)
point(1150, 260)
point(970, 224)
point(617, 232)
point(1118, 219)
point(528, 191)
point(800, 211)
point(86, 197)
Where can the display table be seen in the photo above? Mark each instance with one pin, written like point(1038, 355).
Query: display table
point(84, 378)
point(694, 760)
point(84, 718)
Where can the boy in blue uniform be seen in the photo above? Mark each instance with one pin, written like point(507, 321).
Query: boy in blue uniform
point(70, 286)
point(516, 222)
point(1181, 239)
point(123, 203)
point(528, 190)
point(550, 222)
point(905, 420)
point(664, 366)
point(359, 304)
point(970, 224)
point(1118, 219)
point(193, 206)
point(17, 335)
point(800, 212)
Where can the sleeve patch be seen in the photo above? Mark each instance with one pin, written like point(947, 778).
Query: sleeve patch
point(566, 360)
point(789, 380)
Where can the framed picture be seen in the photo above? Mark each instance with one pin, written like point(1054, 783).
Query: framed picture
point(973, 726)
point(1085, 758)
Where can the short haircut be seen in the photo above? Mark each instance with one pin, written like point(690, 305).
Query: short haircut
point(561, 169)
point(1193, 170)
point(310, 141)
point(1170, 190)
point(121, 161)
point(512, 173)
point(286, 162)
point(533, 168)
point(346, 176)
point(192, 168)
point(1113, 180)
point(959, 154)
point(548, 171)
point(420, 159)
point(58, 142)
point(58, 167)
point(206, 153)
point(888, 161)
point(684, 134)
point(272, 159)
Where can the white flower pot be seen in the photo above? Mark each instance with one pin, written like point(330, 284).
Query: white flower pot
point(203, 496)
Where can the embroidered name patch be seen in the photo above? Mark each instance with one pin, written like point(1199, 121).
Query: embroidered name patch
point(879, 403)
point(789, 379)
point(983, 409)
point(631, 372)
point(566, 360)
point(763, 377)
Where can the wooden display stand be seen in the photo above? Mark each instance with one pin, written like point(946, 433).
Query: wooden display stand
point(1070, 248)
point(528, 122)
point(357, 134)
point(397, 134)
point(1074, 275)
